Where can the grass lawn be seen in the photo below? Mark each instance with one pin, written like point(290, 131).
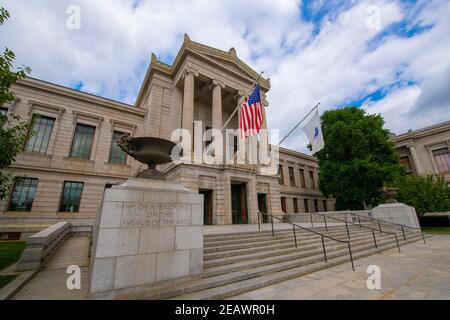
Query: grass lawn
point(10, 252)
point(4, 280)
point(440, 230)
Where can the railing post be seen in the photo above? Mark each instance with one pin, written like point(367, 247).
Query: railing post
point(346, 226)
point(379, 226)
point(423, 237)
point(295, 237)
point(324, 252)
point(398, 246)
point(310, 216)
point(325, 221)
point(351, 256)
point(374, 240)
point(404, 235)
point(271, 220)
point(359, 221)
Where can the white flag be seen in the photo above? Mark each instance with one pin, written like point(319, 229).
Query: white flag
point(314, 132)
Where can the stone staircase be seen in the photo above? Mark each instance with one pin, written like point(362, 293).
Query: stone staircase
point(235, 263)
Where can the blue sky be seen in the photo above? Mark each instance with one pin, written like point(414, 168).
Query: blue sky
point(389, 57)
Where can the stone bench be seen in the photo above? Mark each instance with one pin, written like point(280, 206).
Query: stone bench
point(41, 246)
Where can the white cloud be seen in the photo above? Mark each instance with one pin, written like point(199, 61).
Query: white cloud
point(110, 53)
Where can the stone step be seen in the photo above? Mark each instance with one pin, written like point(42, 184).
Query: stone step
point(302, 252)
point(223, 280)
point(225, 246)
point(254, 234)
point(275, 253)
point(268, 248)
point(258, 278)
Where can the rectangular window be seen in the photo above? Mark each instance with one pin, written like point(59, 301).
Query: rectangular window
point(117, 155)
point(305, 203)
point(23, 194)
point(283, 204)
point(311, 178)
point(71, 196)
point(442, 159)
point(280, 174)
point(82, 141)
point(39, 136)
point(325, 208)
point(3, 111)
point(291, 176)
point(302, 178)
point(316, 205)
point(295, 205)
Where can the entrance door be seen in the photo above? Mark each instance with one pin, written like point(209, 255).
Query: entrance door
point(262, 205)
point(207, 206)
point(239, 203)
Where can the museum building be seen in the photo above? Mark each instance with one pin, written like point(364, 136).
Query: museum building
point(65, 167)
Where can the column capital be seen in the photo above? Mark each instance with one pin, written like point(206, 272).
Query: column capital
point(189, 70)
point(239, 94)
point(217, 82)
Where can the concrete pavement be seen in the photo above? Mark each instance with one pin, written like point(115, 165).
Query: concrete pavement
point(421, 271)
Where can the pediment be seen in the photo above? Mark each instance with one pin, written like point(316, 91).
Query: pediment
point(230, 62)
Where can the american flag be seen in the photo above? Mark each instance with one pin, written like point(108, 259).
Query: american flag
point(252, 115)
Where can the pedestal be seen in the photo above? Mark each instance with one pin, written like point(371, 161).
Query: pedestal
point(148, 231)
point(398, 213)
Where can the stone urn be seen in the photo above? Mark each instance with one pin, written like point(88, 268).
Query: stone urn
point(390, 194)
point(149, 150)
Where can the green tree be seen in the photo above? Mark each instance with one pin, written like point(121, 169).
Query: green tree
point(13, 130)
point(358, 158)
point(426, 194)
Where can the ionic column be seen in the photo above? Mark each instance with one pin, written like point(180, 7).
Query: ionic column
point(188, 102)
point(264, 124)
point(415, 160)
point(241, 152)
point(217, 87)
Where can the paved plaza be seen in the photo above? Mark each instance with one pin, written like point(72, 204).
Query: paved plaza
point(421, 271)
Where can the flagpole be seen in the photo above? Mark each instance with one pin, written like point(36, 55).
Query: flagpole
point(239, 102)
point(207, 149)
point(286, 136)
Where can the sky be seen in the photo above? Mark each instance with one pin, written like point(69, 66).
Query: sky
point(388, 57)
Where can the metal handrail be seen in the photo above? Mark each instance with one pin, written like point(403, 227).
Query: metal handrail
point(313, 231)
point(392, 223)
point(361, 226)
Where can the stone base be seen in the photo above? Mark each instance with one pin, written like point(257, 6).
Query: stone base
point(397, 213)
point(148, 231)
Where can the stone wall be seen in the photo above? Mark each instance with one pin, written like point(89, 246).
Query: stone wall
point(148, 231)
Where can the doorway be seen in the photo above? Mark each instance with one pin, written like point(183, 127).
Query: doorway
point(262, 206)
point(207, 206)
point(239, 212)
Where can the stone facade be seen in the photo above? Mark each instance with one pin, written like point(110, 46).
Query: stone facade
point(147, 232)
point(204, 84)
point(426, 151)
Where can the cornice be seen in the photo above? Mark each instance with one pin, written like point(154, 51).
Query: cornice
point(420, 133)
point(78, 95)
